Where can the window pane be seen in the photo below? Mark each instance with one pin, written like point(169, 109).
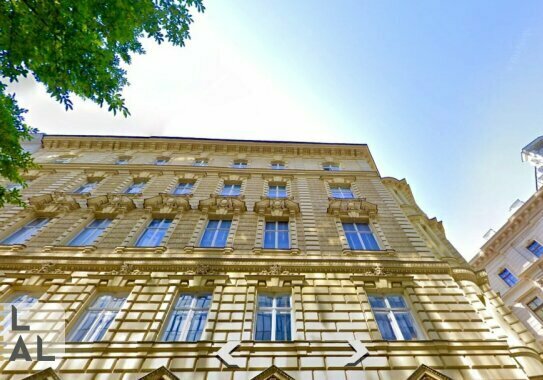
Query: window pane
point(185, 300)
point(396, 302)
point(265, 301)
point(353, 240)
point(263, 326)
point(363, 227)
point(26, 232)
point(197, 326)
point(175, 326)
point(348, 227)
point(369, 241)
point(269, 239)
point(535, 303)
point(406, 325)
point(203, 301)
point(84, 326)
point(385, 326)
point(377, 302)
point(283, 240)
point(283, 301)
point(282, 326)
point(150, 237)
point(207, 238)
point(536, 248)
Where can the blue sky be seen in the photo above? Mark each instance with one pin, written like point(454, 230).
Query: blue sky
point(446, 94)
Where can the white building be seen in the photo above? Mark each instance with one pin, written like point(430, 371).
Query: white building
point(533, 154)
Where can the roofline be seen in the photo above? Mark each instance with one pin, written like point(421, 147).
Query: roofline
point(207, 139)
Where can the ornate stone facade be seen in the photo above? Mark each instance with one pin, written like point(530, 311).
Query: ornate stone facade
point(461, 329)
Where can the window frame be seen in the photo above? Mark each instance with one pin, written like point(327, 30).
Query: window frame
point(215, 233)
point(36, 230)
point(276, 233)
point(134, 183)
point(538, 251)
point(334, 188)
point(240, 164)
point(359, 235)
point(390, 312)
point(85, 185)
point(88, 227)
point(186, 184)
point(274, 310)
point(509, 276)
point(331, 166)
point(122, 160)
point(10, 298)
point(161, 161)
point(538, 309)
point(277, 191)
point(191, 311)
point(278, 165)
point(200, 162)
point(89, 308)
point(156, 230)
point(230, 185)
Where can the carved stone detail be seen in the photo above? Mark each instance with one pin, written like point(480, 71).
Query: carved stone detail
point(201, 269)
point(276, 207)
point(222, 205)
point(53, 204)
point(377, 270)
point(354, 208)
point(47, 268)
point(274, 270)
point(125, 269)
point(167, 203)
point(111, 204)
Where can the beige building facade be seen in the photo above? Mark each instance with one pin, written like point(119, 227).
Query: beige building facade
point(512, 257)
point(179, 258)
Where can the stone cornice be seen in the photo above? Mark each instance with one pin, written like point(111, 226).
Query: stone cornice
point(222, 205)
point(167, 204)
point(110, 204)
point(52, 204)
point(516, 223)
point(352, 208)
point(276, 207)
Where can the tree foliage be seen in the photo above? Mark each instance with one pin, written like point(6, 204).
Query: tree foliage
point(75, 47)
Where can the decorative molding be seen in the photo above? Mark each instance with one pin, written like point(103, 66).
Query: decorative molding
point(277, 207)
point(222, 205)
point(274, 270)
point(99, 174)
point(110, 204)
point(161, 373)
point(273, 373)
point(234, 176)
point(167, 204)
point(33, 174)
point(125, 269)
point(351, 208)
point(426, 373)
point(47, 268)
point(46, 374)
point(53, 204)
point(338, 179)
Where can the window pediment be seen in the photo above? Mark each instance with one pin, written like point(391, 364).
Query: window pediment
point(277, 178)
point(353, 208)
point(110, 204)
point(338, 179)
point(234, 177)
point(98, 175)
point(276, 207)
point(139, 176)
point(53, 204)
point(221, 205)
point(167, 203)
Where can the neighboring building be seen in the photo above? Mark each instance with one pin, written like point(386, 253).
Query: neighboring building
point(512, 257)
point(221, 259)
point(533, 154)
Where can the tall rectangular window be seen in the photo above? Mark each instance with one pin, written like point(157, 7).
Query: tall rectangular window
point(21, 300)
point(154, 233)
point(26, 232)
point(276, 235)
point(87, 187)
point(216, 233)
point(273, 317)
point(360, 236)
point(183, 188)
point(508, 277)
point(91, 232)
point(231, 189)
point(536, 305)
point(393, 317)
point(536, 248)
point(277, 191)
point(135, 188)
point(97, 318)
point(188, 318)
point(341, 192)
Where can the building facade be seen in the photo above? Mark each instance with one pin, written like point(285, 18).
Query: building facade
point(218, 259)
point(512, 259)
point(533, 154)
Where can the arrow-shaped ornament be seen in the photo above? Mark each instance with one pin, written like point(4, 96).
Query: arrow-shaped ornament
point(226, 350)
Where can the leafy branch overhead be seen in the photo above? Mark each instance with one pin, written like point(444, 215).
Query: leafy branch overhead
point(75, 47)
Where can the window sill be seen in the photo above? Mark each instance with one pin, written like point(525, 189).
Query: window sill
point(70, 248)
point(220, 250)
point(382, 252)
point(12, 247)
point(271, 251)
point(157, 249)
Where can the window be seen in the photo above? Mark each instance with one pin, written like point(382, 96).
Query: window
point(273, 317)
point(216, 233)
point(26, 232)
point(98, 317)
point(87, 187)
point(135, 188)
point(276, 235)
point(188, 318)
point(536, 248)
point(239, 164)
point(231, 190)
point(393, 317)
point(183, 188)
point(122, 161)
point(200, 162)
point(14, 186)
point(19, 300)
point(508, 277)
point(91, 232)
point(341, 192)
point(330, 166)
point(162, 161)
point(536, 305)
point(277, 191)
point(154, 233)
point(277, 165)
point(360, 237)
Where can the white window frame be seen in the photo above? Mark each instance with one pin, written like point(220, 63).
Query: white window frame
point(200, 162)
point(275, 193)
point(93, 330)
point(331, 166)
point(278, 165)
point(162, 227)
point(134, 183)
point(215, 233)
point(359, 234)
point(90, 227)
point(184, 186)
point(90, 185)
point(392, 318)
point(191, 310)
point(230, 187)
point(274, 309)
point(343, 190)
point(240, 164)
point(35, 230)
point(276, 234)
